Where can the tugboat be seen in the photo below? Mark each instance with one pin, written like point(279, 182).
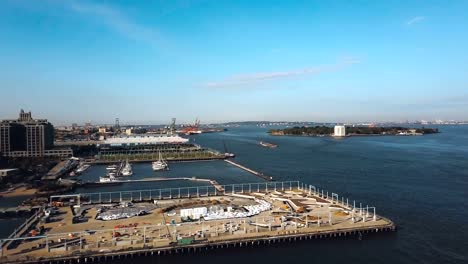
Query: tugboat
point(160, 164)
point(267, 145)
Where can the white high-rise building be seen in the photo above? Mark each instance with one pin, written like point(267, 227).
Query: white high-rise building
point(128, 131)
point(340, 131)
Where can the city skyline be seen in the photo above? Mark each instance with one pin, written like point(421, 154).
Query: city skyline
point(75, 61)
point(112, 123)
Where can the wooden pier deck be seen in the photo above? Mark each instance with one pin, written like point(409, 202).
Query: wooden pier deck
point(319, 216)
point(236, 242)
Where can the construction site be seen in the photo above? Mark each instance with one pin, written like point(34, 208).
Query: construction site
point(91, 226)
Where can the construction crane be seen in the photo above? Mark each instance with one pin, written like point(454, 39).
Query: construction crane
point(117, 124)
point(172, 127)
point(192, 129)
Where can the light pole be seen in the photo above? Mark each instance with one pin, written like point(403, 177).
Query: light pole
point(334, 195)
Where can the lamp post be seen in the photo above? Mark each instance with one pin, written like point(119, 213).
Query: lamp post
point(334, 195)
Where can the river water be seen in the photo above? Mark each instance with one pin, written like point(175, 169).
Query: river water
point(419, 182)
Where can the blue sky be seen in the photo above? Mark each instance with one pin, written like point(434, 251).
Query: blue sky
point(148, 61)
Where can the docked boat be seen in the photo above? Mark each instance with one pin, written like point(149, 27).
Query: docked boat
point(160, 164)
point(82, 168)
point(127, 169)
point(111, 167)
point(109, 178)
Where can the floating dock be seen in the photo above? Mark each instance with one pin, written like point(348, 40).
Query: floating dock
point(212, 182)
point(295, 212)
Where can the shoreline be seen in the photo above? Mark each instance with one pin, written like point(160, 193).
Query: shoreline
point(353, 135)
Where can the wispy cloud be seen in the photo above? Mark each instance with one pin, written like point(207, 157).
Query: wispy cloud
point(415, 20)
point(254, 78)
point(116, 20)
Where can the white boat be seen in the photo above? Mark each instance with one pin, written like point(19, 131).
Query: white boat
point(229, 155)
point(160, 164)
point(82, 168)
point(108, 179)
point(127, 169)
point(157, 166)
point(112, 167)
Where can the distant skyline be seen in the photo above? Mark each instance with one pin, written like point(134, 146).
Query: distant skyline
point(146, 62)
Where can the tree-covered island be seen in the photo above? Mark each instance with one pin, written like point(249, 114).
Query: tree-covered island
point(352, 131)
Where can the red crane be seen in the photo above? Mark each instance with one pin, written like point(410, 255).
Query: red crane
point(192, 129)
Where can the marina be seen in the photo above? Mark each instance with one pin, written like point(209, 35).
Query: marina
point(123, 169)
point(328, 165)
point(233, 132)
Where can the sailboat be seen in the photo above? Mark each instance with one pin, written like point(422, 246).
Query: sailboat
point(160, 164)
point(127, 169)
point(227, 154)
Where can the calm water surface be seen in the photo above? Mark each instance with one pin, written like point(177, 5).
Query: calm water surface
point(421, 183)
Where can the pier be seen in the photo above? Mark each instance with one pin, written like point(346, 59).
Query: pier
point(258, 174)
point(18, 211)
point(280, 212)
point(23, 229)
point(150, 251)
point(169, 152)
point(61, 169)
